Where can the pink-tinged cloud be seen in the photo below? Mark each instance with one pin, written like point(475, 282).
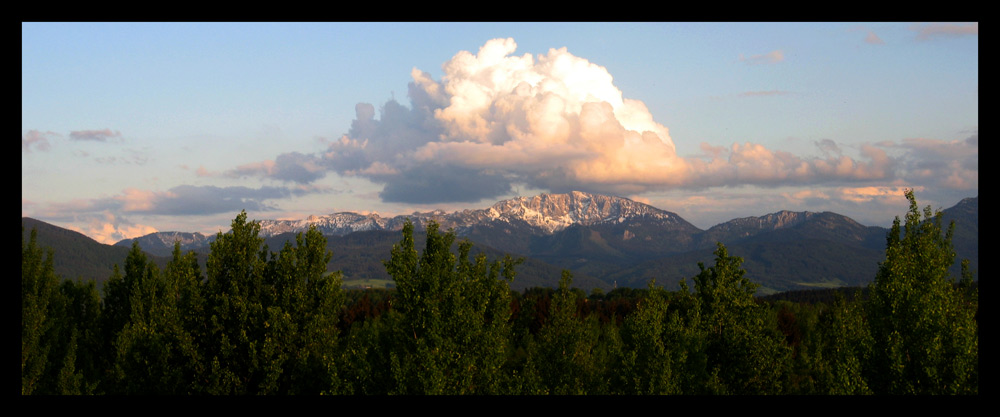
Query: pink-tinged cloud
point(496, 120)
point(950, 164)
point(95, 135)
point(945, 30)
point(135, 200)
point(109, 229)
point(772, 57)
point(262, 168)
point(204, 172)
point(37, 140)
point(872, 38)
point(884, 194)
point(184, 200)
point(291, 167)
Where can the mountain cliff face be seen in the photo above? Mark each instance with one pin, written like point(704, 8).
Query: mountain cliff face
point(554, 212)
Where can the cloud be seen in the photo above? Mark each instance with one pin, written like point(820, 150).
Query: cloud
point(828, 146)
point(109, 229)
point(291, 167)
point(94, 135)
point(496, 119)
point(37, 140)
point(947, 164)
point(772, 57)
point(865, 194)
point(945, 30)
point(204, 172)
point(182, 200)
point(872, 38)
point(556, 122)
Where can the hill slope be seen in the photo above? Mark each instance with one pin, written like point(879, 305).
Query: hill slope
point(605, 241)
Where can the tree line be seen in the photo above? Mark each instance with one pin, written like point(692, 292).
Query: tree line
point(255, 321)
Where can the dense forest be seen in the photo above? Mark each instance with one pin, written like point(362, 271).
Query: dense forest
point(256, 321)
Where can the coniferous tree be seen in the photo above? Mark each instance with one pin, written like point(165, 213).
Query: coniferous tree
point(60, 339)
point(39, 285)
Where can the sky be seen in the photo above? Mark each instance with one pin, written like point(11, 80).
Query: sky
point(132, 128)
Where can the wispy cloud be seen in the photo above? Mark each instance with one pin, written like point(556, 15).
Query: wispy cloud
point(37, 140)
point(772, 57)
point(102, 135)
point(204, 172)
point(945, 30)
point(870, 37)
point(873, 39)
point(182, 200)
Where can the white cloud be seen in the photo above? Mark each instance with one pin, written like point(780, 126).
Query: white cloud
point(557, 122)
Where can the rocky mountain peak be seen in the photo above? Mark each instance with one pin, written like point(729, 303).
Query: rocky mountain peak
point(554, 212)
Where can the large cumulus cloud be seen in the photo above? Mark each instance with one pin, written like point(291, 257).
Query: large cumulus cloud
point(553, 121)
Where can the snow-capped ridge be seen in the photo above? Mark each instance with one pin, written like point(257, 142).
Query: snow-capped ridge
point(554, 212)
point(548, 213)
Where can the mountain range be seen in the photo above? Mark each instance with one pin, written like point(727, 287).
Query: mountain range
point(608, 241)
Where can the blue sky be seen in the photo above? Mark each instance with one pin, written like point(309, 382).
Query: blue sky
point(130, 128)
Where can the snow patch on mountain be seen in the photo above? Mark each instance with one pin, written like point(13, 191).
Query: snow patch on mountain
point(548, 213)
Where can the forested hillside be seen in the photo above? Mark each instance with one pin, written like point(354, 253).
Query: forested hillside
point(260, 319)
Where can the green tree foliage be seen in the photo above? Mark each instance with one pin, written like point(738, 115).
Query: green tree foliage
point(270, 324)
point(925, 336)
point(261, 322)
point(649, 359)
point(59, 328)
point(571, 354)
point(845, 343)
point(366, 368)
point(453, 329)
point(129, 294)
point(38, 284)
point(303, 303)
point(744, 355)
point(154, 350)
point(234, 310)
point(76, 312)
